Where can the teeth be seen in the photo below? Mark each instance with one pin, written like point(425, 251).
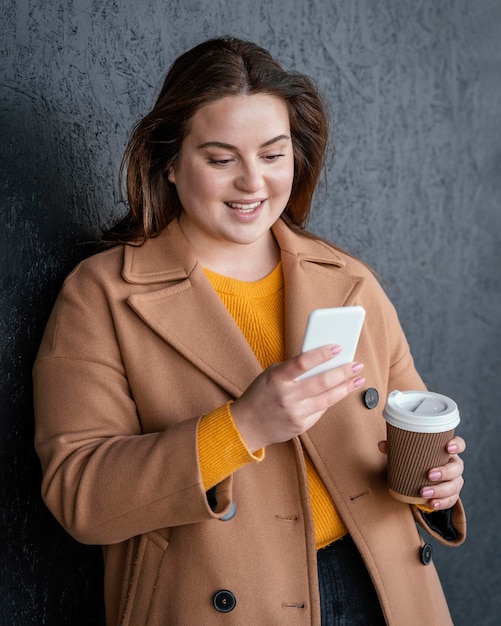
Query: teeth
point(244, 207)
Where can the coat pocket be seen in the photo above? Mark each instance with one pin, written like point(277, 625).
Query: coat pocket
point(144, 558)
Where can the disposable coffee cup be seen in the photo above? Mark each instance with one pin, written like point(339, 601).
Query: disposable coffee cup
point(419, 424)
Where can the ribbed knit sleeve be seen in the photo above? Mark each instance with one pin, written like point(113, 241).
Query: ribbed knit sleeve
point(221, 450)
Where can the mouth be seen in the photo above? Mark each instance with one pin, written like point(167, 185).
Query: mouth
point(245, 207)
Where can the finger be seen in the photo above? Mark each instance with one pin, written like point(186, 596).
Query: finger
point(306, 361)
point(383, 447)
point(453, 469)
point(443, 495)
point(444, 489)
point(324, 390)
point(344, 376)
point(456, 445)
point(443, 503)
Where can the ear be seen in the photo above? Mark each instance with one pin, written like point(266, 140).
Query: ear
point(171, 175)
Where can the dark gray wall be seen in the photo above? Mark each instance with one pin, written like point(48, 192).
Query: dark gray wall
point(414, 189)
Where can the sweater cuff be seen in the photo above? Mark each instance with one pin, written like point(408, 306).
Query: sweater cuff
point(221, 449)
point(425, 508)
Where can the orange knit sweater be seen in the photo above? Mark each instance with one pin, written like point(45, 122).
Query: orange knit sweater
point(258, 309)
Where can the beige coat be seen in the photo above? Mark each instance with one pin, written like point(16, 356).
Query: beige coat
point(138, 347)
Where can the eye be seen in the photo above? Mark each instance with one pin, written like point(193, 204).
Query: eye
point(273, 157)
point(221, 162)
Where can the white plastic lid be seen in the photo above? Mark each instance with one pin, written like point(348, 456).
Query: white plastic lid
point(421, 411)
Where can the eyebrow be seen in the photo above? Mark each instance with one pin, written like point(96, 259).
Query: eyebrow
point(229, 146)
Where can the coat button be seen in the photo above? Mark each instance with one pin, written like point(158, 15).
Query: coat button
point(426, 554)
point(224, 601)
point(371, 398)
point(231, 513)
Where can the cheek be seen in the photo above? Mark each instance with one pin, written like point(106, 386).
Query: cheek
point(285, 179)
point(204, 186)
point(199, 188)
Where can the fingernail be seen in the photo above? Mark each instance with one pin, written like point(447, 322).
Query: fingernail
point(358, 382)
point(335, 350)
point(436, 475)
point(452, 448)
point(357, 368)
point(427, 492)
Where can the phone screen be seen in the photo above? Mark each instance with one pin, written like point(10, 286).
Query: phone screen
point(334, 326)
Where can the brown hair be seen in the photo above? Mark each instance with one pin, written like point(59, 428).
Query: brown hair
point(212, 70)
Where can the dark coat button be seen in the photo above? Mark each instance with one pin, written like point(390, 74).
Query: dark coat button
point(371, 398)
point(426, 554)
point(231, 513)
point(224, 601)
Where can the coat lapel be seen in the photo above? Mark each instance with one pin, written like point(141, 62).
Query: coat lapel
point(311, 281)
point(181, 306)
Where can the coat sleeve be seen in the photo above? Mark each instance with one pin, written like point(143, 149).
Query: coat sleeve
point(103, 479)
point(448, 526)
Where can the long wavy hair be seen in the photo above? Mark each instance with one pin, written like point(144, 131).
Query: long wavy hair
point(214, 69)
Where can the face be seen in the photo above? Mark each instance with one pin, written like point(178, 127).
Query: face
point(234, 175)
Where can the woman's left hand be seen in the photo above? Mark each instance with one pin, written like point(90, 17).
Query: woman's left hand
point(447, 481)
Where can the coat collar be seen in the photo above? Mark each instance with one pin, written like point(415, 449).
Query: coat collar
point(161, 259)
point(181, 306)
point(169, 256)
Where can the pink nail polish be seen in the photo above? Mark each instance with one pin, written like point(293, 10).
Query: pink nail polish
point(335, 350)
point(358, 382)
point(435, 475)
point(427, 493)
point(357, 368)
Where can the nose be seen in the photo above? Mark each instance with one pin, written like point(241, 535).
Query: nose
point(250, 177)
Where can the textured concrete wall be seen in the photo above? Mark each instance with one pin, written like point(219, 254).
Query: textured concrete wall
point(414, 189)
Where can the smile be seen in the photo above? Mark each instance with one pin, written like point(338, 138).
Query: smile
point(245, 208)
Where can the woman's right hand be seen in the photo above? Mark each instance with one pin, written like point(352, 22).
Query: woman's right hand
point(277, 406)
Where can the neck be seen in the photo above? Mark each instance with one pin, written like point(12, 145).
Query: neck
point(246, 262)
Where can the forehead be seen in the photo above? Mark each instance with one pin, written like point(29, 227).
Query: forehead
point(256, 114)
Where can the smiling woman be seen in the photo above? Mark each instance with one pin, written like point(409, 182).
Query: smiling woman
point(201, 76)
point(234, 178)
point(173, 422)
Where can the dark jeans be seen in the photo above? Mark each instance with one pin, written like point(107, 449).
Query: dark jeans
point(347, 595)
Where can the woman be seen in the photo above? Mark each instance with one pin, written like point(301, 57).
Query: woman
point(170, 421)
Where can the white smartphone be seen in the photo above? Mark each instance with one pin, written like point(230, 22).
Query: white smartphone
point(333, 326)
